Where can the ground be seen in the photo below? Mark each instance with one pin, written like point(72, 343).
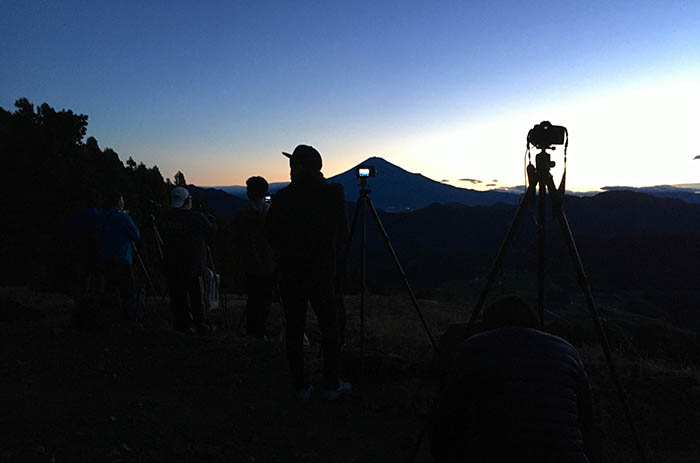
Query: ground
point(119, 393)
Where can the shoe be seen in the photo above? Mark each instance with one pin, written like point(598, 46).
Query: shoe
point(307, 343)
point(202, 329)
point(304, 394)
point(342, 389)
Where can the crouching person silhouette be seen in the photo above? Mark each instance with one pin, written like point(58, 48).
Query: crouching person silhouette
point(513, 393)
point(305, 226)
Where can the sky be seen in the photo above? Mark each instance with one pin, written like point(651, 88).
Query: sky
point(448, 89)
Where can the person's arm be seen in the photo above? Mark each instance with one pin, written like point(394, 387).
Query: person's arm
point(453, 416)
point(272, 225)
point(208, 228)
point(131, 230)
point(342, 228)
point(585, 411)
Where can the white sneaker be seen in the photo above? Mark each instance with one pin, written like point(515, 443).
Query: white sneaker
point(304, 394)
point(334, 394)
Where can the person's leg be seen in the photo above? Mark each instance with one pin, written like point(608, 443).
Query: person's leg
point(178, 303)
point(324, 305)
point(295, 302)
point(127, 291)
point(253, 306)
point(259, 300)
point(267, 289)
point(339, 291)
point(194, 289)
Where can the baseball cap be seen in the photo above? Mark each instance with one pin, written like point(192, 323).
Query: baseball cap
point(178, 196)
point(305, 155)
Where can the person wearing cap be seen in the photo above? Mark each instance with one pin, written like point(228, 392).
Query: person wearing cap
point(308, 230)
point(116, 232)
point(185, 235)
point(254, 255)
point(513, 393)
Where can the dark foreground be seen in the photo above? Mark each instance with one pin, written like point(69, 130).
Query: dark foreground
point(122, 394)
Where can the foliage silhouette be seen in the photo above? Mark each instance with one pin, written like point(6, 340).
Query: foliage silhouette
point(50, 172)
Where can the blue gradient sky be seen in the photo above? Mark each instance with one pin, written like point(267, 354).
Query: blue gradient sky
point(447, 89)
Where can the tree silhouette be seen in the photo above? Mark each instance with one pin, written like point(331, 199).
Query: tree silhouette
point(180, 179)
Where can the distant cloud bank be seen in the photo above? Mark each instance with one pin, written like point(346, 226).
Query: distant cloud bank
point(470, 180)
point(697, 157)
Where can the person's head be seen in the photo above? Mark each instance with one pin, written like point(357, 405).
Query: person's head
point(257, 188)
point(509, 311)
point(114, 200)
point(180, 198)
point(304, 159)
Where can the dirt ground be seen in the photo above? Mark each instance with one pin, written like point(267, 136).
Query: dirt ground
point(125, 394)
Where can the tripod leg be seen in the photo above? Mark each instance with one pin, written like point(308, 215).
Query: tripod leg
point(541, 242)
point(496, 266)
point(360, 211)
point(354, 220)
point(403, 274)
point(586, 288)
point(145, 271)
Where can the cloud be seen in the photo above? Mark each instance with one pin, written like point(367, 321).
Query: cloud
point(444, 180)
point(490, 184)
point(470, 180)
point(495, 180)
point(697, 157)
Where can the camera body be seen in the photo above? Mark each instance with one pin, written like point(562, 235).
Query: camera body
point(365, 171)
point(544, 135)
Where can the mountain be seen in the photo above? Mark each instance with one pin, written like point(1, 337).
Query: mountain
point(690, 193)
point(224, 203)
point(397, 190)
point(240, 190)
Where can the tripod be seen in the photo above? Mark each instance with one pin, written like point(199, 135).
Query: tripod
point(539, 177)
point(364, 202)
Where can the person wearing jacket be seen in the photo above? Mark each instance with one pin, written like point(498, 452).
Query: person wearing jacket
point(307, 229)
point(116, 232)
point(514, 393)
point(185, 235)
point(254, 255)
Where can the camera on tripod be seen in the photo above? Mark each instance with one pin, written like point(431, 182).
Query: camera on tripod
point(365, 171)
point(544, 135)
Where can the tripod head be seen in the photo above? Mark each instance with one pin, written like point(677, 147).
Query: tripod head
point(363, 172)
point(543, 161)
point(364, 187)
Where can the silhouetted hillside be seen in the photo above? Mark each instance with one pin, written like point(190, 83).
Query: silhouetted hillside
point(625, 238)
point(689, 193)
point(224, 203)
point(240, 190)
point(396, 190)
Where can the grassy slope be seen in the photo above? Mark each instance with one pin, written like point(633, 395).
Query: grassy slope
point(126, 395)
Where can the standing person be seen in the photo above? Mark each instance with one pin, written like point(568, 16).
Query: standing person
point(185, 235)
point(82, 240)
point(254, 255)
point(306, 227)
point(514, 393)
point(116, 233)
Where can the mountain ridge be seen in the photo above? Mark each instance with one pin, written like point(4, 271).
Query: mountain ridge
point(395, 189)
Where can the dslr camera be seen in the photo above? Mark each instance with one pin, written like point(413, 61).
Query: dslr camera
point(365, 171)
point(544, 135)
